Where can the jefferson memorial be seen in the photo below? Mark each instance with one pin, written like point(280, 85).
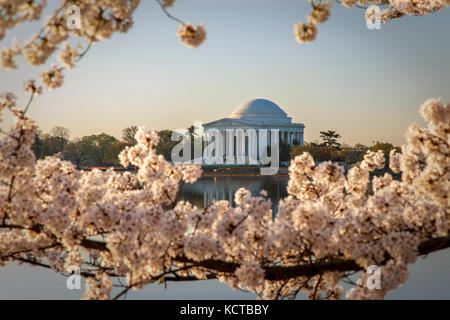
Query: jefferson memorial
point(260, 114)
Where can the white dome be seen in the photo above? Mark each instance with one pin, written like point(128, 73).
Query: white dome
point(258, 108)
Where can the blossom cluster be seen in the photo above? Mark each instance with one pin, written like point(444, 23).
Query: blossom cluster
point(391, 9)
point(131, 224)
point(306, 32)
point(394, 9)
point(190, 35)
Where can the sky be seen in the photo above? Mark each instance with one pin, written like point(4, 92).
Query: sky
point(365, 84)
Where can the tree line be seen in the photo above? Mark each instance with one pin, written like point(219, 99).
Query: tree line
point(330, 149)
point(103, 149)
point(100, 150)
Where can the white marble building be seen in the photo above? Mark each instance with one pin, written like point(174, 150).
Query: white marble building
point(259, 114)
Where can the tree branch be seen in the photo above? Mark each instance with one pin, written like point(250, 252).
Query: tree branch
point(168, 14)
point(277, 273)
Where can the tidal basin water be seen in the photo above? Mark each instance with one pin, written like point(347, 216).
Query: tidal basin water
point(207, 189)
point(429, 277)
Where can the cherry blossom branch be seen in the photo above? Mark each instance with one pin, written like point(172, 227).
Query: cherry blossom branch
point(29, 103)
point(153, 279)
point(273, 273)
point(381, 2)
point(46, 266)
point(168, 14)
point(46, 24)
point(276, 273)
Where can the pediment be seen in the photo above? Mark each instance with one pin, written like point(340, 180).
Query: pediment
point(228, 122)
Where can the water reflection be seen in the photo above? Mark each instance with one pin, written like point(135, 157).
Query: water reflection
point(207, 189)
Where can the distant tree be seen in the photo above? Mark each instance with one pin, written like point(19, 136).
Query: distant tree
point(166, 144)
point(78, 152)
point(191, 131)
point(285, 151)
point(112, 152)
point(195, 137)
point(319, 152)
point(353, 154)
point(37, 145)
point(54, 142)
point(51, 145)
point(100, 143)
point(60, 132)
point(330, 139)
point(360, 147)
point(386, 147)
point(128, 135)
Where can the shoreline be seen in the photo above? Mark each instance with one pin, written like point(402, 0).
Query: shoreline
point(218, 174)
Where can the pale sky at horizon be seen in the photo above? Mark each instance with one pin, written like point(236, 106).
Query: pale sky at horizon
point(365, 84)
